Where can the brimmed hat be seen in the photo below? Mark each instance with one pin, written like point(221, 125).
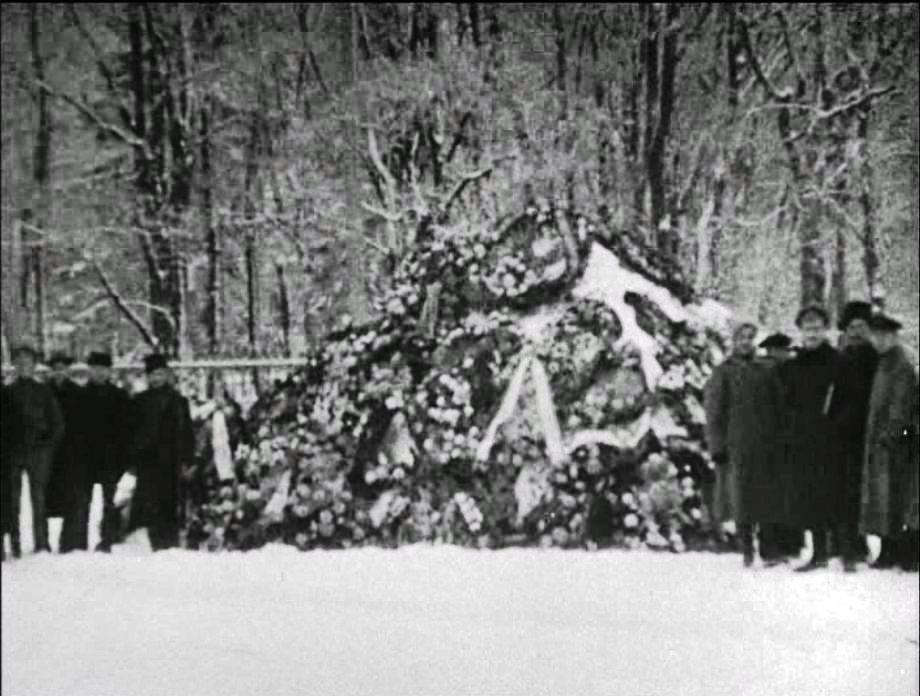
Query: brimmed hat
point(884, 322)
point(154, 361)
point(60, 358)
point(777, 340)
point(99, 359)
point(21, 348)
point(853, 311)
point(79, 367)
point(812, 311)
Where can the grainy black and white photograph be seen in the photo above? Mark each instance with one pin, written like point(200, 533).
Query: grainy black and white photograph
point(460, 349)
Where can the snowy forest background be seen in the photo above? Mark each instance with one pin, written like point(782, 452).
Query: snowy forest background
point(228, 180)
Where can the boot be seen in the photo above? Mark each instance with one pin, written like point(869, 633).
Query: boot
point(15, 546)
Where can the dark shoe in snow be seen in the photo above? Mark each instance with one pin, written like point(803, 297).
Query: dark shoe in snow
point(103, 547)
point(849, 566)
point(773, 562)
point(748, 559)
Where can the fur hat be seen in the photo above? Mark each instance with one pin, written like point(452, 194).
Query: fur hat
point(884, 323)
point(154, 361)
point(777, 340)
point(853, 311)
point(812, 311)
point(27, 348)
point(99, 359)
point(60, 358)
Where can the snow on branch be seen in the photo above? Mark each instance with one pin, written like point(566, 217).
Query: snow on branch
point(100, 123)
point(122, 306)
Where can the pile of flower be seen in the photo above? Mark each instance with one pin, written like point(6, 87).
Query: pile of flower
point(390, 435)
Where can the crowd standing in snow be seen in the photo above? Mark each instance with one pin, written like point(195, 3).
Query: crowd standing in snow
point(69, 436)
point(538, 383)
point(822, 440)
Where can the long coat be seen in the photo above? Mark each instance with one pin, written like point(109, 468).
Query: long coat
point(106, 432)
point(849, 409)
point(815, 484)
point(65, 468)
point(743, 402)
point(12, 423)
point(162, 446)
point(890, 468)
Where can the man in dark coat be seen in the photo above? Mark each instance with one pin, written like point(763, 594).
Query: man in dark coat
point(743, 401)
point(162, 447)
point(69, 395)
point(889, 505)
point(101, 457)
point(31, 448)
point(778, 348)
point(787, 538)
point(849, 408)
point(816, 482)
point(11, 426)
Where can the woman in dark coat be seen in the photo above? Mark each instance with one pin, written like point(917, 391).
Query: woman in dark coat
point(743, 401)
point(162, 448)
point(890, 468)
point(815, 484)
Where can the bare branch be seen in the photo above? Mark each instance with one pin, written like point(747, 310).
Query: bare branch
point(385, 214)
point(101, 124)
point(866, 98)
point(463, 183)
point(120, 304)
point(385, 173)
point(762, 77)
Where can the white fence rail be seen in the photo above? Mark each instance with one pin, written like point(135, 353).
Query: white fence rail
point(243, 379)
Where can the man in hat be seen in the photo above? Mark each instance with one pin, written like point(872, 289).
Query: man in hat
point(31, 448)
point(778, 347)
point(59, 497)
point(102, 456)
point(743, 402)
point(848, 410)
point(786, 539)
point(813, 488)
point(162, 447)
point(889, 499)
point(12, 426)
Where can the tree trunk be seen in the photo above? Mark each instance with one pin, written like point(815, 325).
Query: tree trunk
point(284, 309)
point(811, 262)
point(660, 106)
point(42, 173)
point(214, 242)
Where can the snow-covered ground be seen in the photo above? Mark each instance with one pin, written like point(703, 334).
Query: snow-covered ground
point(444, 620)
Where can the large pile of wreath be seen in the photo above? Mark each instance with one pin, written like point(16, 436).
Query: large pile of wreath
point(521, 386)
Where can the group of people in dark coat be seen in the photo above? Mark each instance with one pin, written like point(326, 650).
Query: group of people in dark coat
point(68, 437)
point(818, 439)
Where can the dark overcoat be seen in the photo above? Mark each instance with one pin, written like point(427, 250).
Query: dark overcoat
point(814, 486)
point(10, 424)
point(106, 432)
point(849, 409)
point(743, 402)
point(162, 446)
point(66, 465)
point(889, 485)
